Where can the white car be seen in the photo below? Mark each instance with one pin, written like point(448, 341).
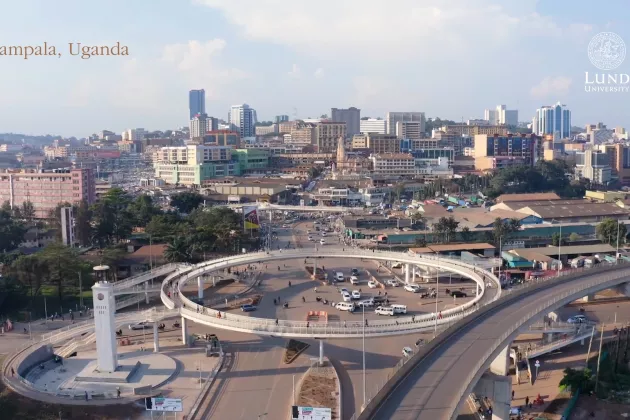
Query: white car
point(322, 242)
point(316, 222)
point(413, 288)
point(384, 310)
point(141, 325)
point(354, 280)
point(392, 283)
point(372, 284)
point(343, 290)
point(345, 306)
point(397, 265)
point(310, 238)
point(323, 233)
point(368, 303)
point(346, 297)
point(407, 351)
point(356, 294)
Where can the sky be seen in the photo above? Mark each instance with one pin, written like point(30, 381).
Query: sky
point(448, 58)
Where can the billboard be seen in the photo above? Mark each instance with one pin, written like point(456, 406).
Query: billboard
point(250, 215)
point(163, 404)
point(310, 413)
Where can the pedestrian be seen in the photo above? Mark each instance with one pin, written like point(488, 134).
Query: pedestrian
point(512, 394)
point(307, 324)
point(303, 299)
point(379, 292)
point(526, 401)
point(413, 318)
point(86, 396)
point(396, 322)
point(366, 323)
point(344, 324)
point(117, 392)
point(12, 372)
point(276, 321)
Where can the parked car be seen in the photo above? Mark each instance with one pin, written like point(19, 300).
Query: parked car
point(458, 293)
point(368, 303)
point(384, 310)
point(356, 294)
point(322, 241)
point(323, 233)
point(345, 306)
point(310, 238)
point(354, 280)
point(413, 288)
point(248, 308)
point(577, 319)
point(393, 283)
point(399, 309)
point(346, 297)
point(355, 272)
point(372, 284)
point(141, 325)
point(339, 276)
point(407, 351)
point(343, 290)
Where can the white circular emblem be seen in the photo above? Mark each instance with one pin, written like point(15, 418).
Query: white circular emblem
point(606, 50)
point(100, 296)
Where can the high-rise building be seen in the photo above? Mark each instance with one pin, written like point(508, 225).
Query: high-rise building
point(373, 125)
point(222, 138)
point(351, 116)
point(377, 143)
point(327, 134)
point(501, 116)
point(280, 119)
point(497, 151)
point(201, 124)
point(593, 165)
point(410, 130)
point(47, 189)
point(196, 102)
point(619, 160)
point(555, 120)
point(393, 117)
point(243, 119)
point(304, 134)
point(134, 134)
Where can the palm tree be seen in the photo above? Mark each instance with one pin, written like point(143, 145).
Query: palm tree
point(178, 250)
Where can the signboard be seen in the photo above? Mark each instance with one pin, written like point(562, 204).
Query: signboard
point(250, 216)
point(537, 363)
point(163, 404)
point(310, 413)
point(302, 203)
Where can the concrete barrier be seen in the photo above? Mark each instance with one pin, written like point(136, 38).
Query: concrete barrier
point(42, 354)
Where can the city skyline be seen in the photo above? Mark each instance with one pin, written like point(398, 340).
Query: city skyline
point(311, 71)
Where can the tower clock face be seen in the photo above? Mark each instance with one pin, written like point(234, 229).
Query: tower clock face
point(100, 296)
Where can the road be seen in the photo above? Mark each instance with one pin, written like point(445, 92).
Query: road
point(434, 386)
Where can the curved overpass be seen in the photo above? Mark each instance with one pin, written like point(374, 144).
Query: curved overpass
point(284, 328)
point(435, 382)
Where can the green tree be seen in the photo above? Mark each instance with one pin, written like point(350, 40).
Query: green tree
point(27, 211)
point(54, 217)
point(113, 257)
point(163, 227)
point(574, 237)
point(421, 241)
point(82, 224)
point(446, 228)
point(555, 240)
point(578, 379)
point(11, 232)
point(399, 190)
point(502, 230)
point(63, 265)
point(112, 220)
point(143, 210)
point(178, 250)
point(187, 201)
point(30, 270)
point(611, 232)
point(466, 234)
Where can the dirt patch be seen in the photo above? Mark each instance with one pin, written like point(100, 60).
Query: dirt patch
point(253, 300)
point(319, 390)
point(603, 410)
point(293, 349)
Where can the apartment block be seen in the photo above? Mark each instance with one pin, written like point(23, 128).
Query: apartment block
point(619, 160)
point(47, 189)
point(410, 130)
point(303, 134)
point(473, 130)
point(373, 125)
point(394, 117)
point(327, 135)
point(350, 116)
point(377, 143)
point(393, 164)
point(593, 165)
point(496, 151)
point(222, 138)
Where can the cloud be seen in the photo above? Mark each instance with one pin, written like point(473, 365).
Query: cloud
point(81, 93)
point(295, 72)
point(365, 26)
point(551, 86)
point(319, 73)
point(200, 63)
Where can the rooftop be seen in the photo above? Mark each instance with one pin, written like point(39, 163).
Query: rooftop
point(527, 197)
point(562, 211)
point(551, 251)
point(517, 205)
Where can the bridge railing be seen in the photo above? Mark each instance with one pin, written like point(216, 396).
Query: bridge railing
point(146, 275)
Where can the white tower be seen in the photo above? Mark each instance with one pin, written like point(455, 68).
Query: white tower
point(104, 323)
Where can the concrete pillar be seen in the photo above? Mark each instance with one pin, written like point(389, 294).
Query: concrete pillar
point(200, 287)
point(406, 273)
point(588, 298)
point(184, 331)
point(146, 293)
point(477, 292)
point(500, 365)
point(214, 281)
point(156, 339)
point(413, 274)
point(547, 338)
point(315, 268)
point(497, 388)
point(321, 352)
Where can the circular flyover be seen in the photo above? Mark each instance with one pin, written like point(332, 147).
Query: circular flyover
point(303, 329)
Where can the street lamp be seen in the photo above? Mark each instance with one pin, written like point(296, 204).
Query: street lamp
point(437, 292)
point(364, 392)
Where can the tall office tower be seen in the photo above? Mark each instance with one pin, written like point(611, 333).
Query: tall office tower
point(501, 116)
point(242, 118)
point(280, 119)
point(67, 226)
point(373, 125)
point(555, 120)
point(351, 116)
point(201, 124)
point(393, 117)
point(196, 102)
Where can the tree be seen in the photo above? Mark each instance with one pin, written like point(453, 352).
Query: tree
point(314, 172)
point(27, 211)
point(82, 224)
point(187, 201)
point(11, 232)
point(112, 220)
point(143, 209)
point(446, 228)
point(62, 264)
point(574, 237)
point(501, 230)
point(178, 250)
point(163, 227)
point(556, 240)
point(30, 270)
point(54, 217)
point(113, 256)
point(421, 242)
point(418, 218)
point(466, 234)
point(612, 232)
point(399, 189)
point(575, 379)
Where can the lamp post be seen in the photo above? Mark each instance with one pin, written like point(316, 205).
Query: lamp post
point(364, 392)
point(617, 254)
point(559, 250)
point(437, 292)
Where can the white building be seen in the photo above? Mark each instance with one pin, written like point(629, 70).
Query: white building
point(373, 125)
point(134, 134)
point(243, 119)
point(200, 124)
point(410, 130)
point(555, 120)
point(593, 165)
point(393, 164)
point(501, 116)
point(392, 118)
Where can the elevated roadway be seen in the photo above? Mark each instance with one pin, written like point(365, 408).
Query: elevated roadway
point(434, 384)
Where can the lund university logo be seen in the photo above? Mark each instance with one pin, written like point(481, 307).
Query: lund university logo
point(606, 50)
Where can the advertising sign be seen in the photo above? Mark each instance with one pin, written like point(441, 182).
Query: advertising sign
point(251, 218)
point(310, 413)
point(163, 404)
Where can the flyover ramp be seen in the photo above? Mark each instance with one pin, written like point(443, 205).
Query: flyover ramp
point(441, 376)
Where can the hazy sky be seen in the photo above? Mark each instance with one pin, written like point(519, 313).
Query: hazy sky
point(448, 58)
